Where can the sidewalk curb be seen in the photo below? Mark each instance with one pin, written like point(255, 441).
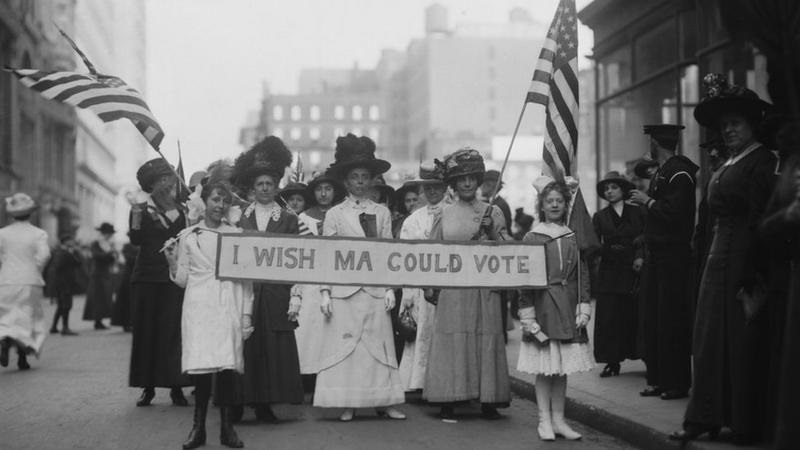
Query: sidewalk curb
point(601, 420)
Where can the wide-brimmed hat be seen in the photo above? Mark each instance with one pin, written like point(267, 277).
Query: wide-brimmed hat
point(667, 135)
point(616, 178)
point(408, 186)
point(722, 98)
point(294, 188)
point(106, 228)
point(339, 191)
point(20, 204)
point(268, 157)
point(356, 151)
point(466, 161)
point(643, 166)
point(151, 171)
point(432, 173)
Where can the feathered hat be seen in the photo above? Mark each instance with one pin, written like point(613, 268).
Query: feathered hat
point(353, 151)
point(268, 157)
point(722, 97)
point(431, 173)
point(466, 161)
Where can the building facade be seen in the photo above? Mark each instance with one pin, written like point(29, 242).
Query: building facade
point(651, 56)
point(37, 136)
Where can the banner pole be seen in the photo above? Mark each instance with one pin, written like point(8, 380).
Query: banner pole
point(508, 153)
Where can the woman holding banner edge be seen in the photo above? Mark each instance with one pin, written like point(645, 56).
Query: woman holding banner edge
point(358, 367)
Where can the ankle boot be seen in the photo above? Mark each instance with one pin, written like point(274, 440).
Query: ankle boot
point(4, 352)
point(197, 436)
point(560, 426)
point(176, 394)
point(544, 386)
point(227, 435)
point(22, 361)
point(147, 397)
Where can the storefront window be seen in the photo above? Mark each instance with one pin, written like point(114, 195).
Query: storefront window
point(614, 71)
point(655, 49)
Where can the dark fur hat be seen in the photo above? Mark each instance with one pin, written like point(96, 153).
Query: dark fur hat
point(151, 171)
point(268, 157)
point(353, 151)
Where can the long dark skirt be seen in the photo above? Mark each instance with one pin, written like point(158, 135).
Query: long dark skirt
point(787, 433)
point(98, 298)
point(121, 311)
point(271, 369)
point(156, 350)
point(616, 328)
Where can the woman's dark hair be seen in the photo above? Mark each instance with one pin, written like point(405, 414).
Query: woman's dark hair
point(401, 202)
point(557, 186)
point(478, 177)
point(209, 188)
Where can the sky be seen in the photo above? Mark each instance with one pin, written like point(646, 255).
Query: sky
point(207, 60)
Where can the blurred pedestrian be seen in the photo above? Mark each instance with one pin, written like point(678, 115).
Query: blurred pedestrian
point(217, 317)
point(156, 301)
point(61, 277)
point(618, 226)
point(728, 341)
point(418, 226)
point(23, 254)
point(271, 363)
point(121, 313)
point(467, 360)
point(358, 372)
point(557, 315)
point(99, 293)
point(670, 205)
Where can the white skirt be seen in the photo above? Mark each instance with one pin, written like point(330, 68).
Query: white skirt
point(555, 358)
point(22, 316)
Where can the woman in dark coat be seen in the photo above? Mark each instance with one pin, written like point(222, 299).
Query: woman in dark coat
point(100, 290)
point(121, 315)
point(617, 225)
point(271, 363)
point(728, 341)
point(156, 301)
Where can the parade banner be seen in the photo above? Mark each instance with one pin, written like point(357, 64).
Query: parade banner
point(337, 260)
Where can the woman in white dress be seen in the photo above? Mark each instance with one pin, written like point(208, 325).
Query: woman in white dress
point(555, 343)
point(216, 316)
point(418, 226)
point(23, 254)
point(359, 367)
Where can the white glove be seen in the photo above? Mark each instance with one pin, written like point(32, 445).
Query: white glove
point(294, 308)
point(388, 299)
point(325, 304)
point(527, 318)
point(408, 300)
point(582, 314)
point(247, 326)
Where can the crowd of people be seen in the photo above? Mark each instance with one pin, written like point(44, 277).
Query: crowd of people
point(706, 295)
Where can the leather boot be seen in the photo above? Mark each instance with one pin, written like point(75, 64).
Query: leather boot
point(227, 435)
point(560, 426)
point(176, 394)
point(544, 388)
point(22, 361)
point(148, 394)
point(197, 436)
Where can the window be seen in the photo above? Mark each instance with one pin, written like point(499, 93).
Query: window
point(374, 134)
point(314, 158)
point(277, 112)
point(374, 112)
point(313, 113)
point(297, 113)
point(296, 133)
point(313, 133)
point(356, 112)
point(337, 132)
point(356, 131)
point(278, 133)
point(614, 71)
point(338, 112)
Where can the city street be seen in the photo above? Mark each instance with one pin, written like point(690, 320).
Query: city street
point(76, 396)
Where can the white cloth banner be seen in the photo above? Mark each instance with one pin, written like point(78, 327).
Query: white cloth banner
point(337, 260)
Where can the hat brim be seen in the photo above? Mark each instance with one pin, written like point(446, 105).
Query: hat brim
point(339, 191)
point(625, 185)
point(375, 167)
point(707, 113)
point(23, 212)
point(475, 171)
point(289, 192)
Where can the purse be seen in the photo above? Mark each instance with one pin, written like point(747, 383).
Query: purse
point(538, 338)
point(408, 326)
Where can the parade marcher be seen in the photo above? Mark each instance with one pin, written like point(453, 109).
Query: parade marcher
point(728, 340)
point(381, 193)
point(618, 226)
point(418, 226)
point(216, 317)
point(670, 204)
point(359, 366)
point(121, 313)
point(156, 301)
point(561, 313)
point(490, 180)
point(406, 199)
point(61, 280)
point(23, 254)
point(295, 197)
point(704, 231)
point(324, 192)
point(467, 360)
point(272, 367)
point(100, 290)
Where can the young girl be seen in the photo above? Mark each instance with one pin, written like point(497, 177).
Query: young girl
point(555, 343)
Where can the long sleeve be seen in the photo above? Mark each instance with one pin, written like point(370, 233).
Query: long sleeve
point(42, 251)
point(181, 275)
point(386, 224)
point(249, 298)
point(678, 201)
point(583, 287)
point(499, 225)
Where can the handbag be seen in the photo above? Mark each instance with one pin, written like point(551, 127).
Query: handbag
point(408, 326)
point(538, 338)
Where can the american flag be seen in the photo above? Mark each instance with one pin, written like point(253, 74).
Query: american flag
point(555, 86)
point(107, 96)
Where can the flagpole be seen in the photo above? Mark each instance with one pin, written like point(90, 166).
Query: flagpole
point(508, 153)
point(172, 169)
